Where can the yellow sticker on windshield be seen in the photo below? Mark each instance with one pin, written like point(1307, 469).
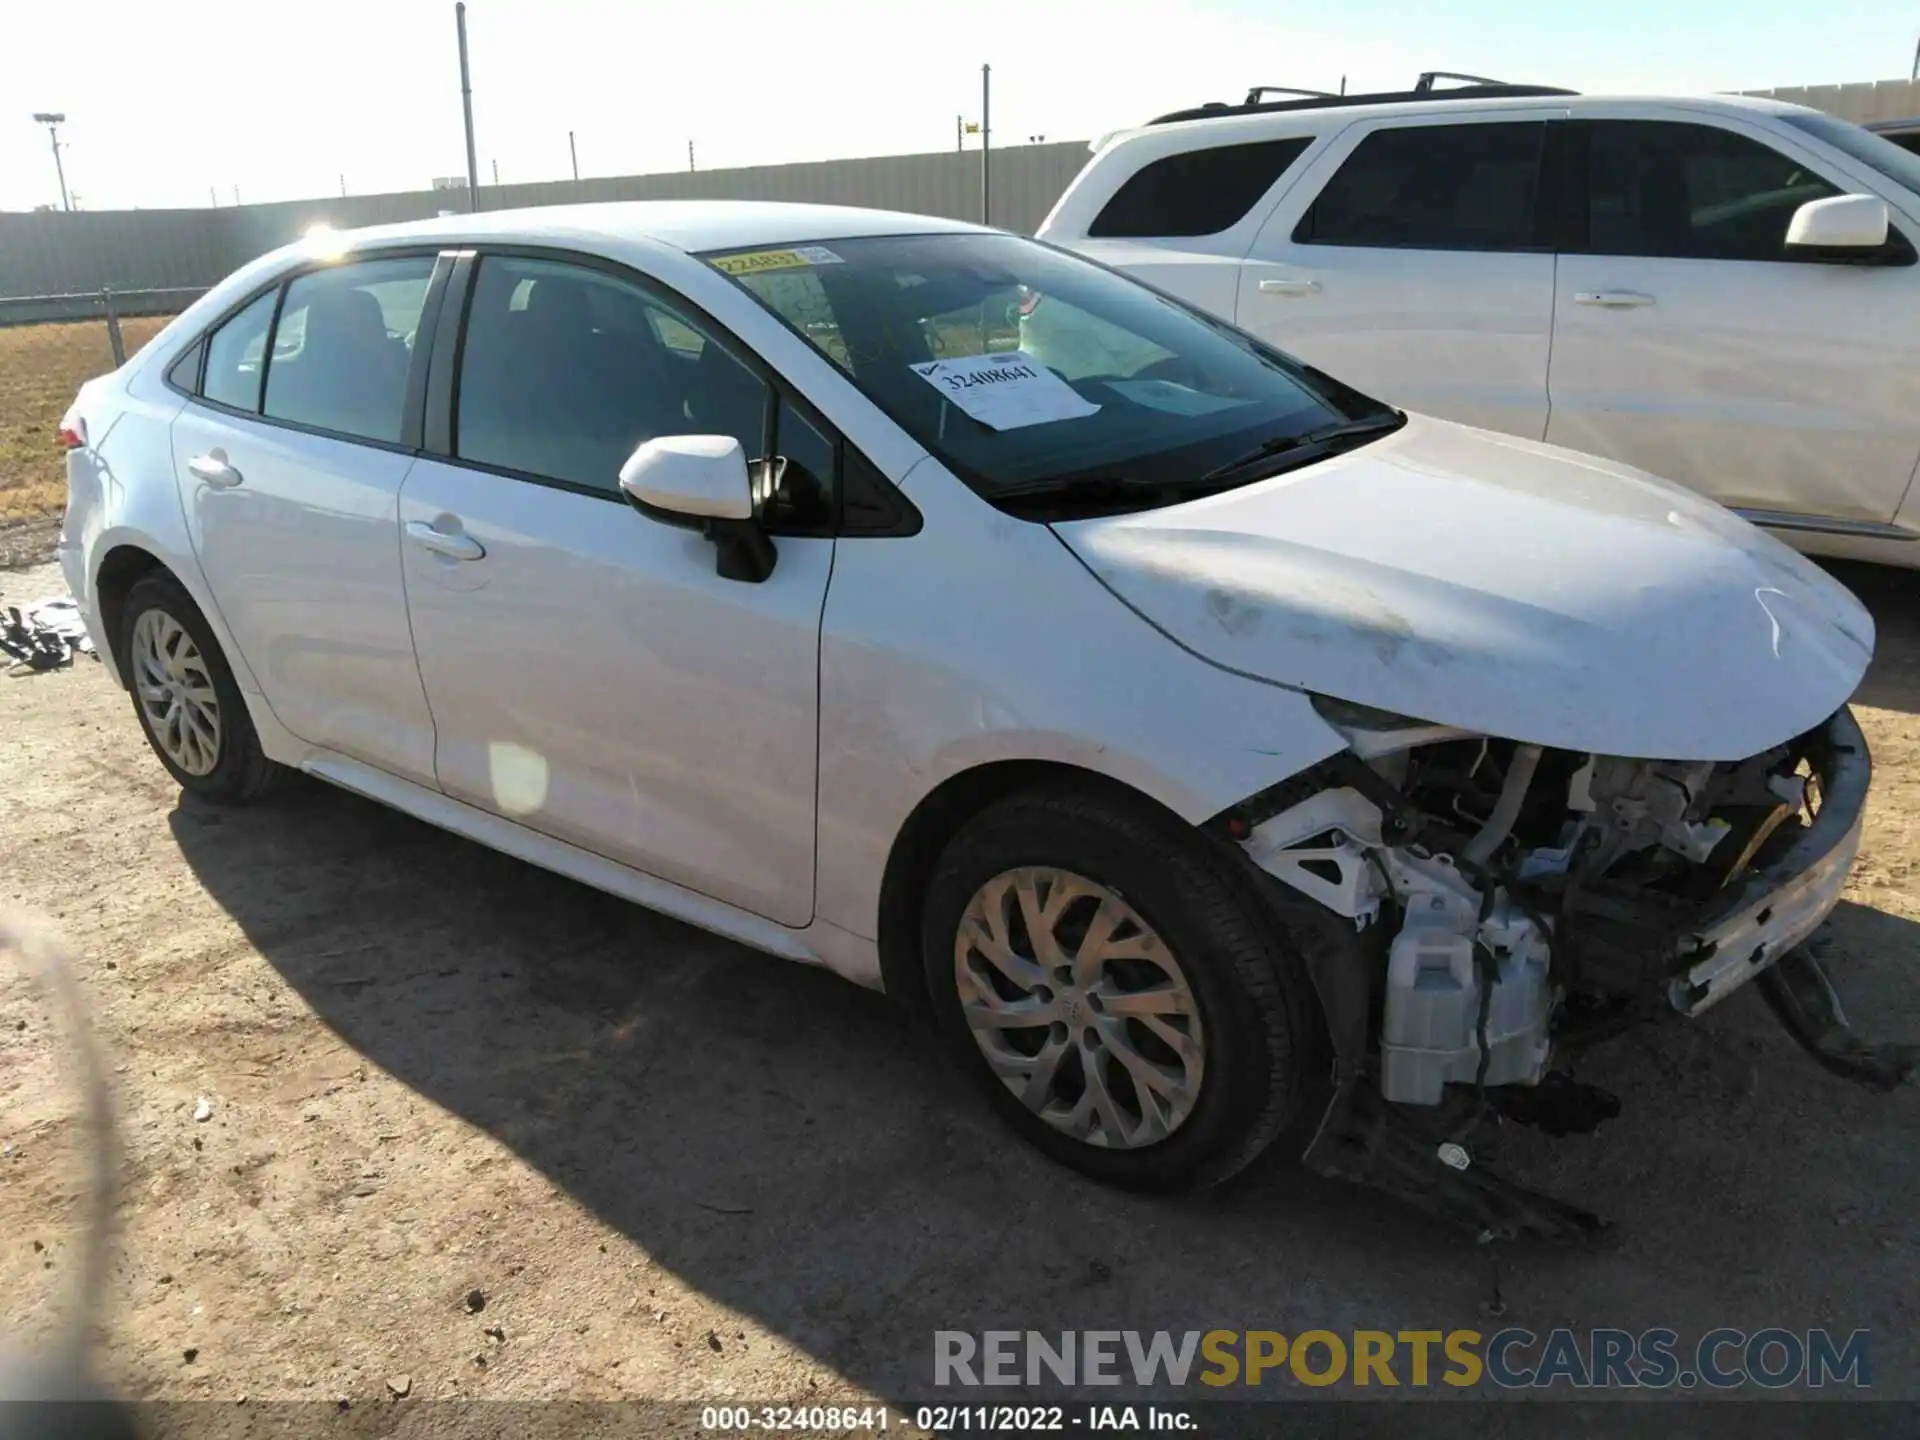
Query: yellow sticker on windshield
point(755, 261)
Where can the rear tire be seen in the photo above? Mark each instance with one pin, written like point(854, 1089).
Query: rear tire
point(185, 697)
point(1060, 924)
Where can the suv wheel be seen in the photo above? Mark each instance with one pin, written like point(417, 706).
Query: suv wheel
point(186, 698)
point(1113, 986)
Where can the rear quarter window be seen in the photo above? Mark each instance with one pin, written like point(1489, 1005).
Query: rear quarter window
point(1201, 192)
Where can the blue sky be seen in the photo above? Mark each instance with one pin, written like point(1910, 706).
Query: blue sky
point(167, 102)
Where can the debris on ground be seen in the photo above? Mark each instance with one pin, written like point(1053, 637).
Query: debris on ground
point(476, 1301)
point(44, 636)
point(398, 1386)
point(202, 1110)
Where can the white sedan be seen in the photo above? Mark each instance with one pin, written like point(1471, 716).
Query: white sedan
point(1210, 751)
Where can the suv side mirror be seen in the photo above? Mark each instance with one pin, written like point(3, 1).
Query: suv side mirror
point(700, 482)
point(1846, 227)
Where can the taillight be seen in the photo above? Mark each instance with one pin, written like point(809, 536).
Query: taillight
point(72, 433)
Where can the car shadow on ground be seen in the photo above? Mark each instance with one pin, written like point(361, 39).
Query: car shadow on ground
point(1893, 598)
point(781, 1141)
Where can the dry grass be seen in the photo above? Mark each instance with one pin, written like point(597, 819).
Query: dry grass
point(41, 366)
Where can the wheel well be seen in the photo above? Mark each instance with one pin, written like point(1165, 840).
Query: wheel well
point(124, 565)
point(916, 850)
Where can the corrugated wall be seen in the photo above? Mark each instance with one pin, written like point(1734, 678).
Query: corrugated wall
point(58, 253)
point(1863, 104)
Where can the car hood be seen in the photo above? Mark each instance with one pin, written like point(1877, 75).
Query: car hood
point(1503, 586)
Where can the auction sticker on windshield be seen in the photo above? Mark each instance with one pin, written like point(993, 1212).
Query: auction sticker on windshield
point(1006, 390)
point(755, 261)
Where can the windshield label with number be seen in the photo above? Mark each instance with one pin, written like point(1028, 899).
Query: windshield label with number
point(795, 258)
point(1005, 391)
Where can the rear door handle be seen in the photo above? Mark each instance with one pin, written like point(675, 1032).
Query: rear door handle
point(454, 547)
point(1289, 287)
point(213, 470)
point(1612, 299)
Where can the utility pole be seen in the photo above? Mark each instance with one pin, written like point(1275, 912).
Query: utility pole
point(1916, 61)
point(986, 144)
point(343, 184)
point(959, 134)
point(496, 173)
point(236, 194)
point(213, 198)
point(574, 155)
point(690, 164)
point(466, 106)
point(53, 122)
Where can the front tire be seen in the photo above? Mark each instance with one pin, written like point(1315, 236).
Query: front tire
point(186, 698)
point(1112, 984)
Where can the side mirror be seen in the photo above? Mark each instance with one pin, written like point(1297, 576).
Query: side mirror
point(700, 482)
point(1848, 226)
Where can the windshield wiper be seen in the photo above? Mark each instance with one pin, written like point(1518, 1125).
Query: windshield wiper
point(1326, 435)
point(1093, 489)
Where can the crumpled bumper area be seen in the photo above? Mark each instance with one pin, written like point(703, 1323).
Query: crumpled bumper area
point(1773, 909)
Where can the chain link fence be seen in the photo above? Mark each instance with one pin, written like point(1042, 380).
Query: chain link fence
point(108, 304)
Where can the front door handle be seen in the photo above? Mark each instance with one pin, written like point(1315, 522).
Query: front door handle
point(1612, 299)
point(1289, 287)
point(212, 470)
point(454, 547)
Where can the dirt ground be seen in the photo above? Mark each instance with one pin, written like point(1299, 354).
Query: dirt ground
point(675, 1169)
point(41, 366)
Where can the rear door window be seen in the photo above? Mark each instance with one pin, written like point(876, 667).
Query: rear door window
point(1433, 187)
point(1199, 193)
point(343, 345)
point(236, 353)
point(1692, 192)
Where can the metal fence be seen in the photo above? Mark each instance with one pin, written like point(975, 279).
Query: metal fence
point(1863, 104)
point(69, 259)
point(59, 265)
point(108, 304)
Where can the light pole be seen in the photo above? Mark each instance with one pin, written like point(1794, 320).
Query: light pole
point(53, 123)
point(575, 155)
point(466, 106)
point(986, 144)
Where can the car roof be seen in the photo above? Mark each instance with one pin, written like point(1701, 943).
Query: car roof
point(688, 225)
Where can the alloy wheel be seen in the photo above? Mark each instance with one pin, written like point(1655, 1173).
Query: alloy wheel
point(1079, 1007)
point(175, 690)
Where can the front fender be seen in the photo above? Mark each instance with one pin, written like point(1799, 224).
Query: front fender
point(982, 640)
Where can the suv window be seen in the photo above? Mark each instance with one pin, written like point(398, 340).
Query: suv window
point(1693, 192)
point(1199, 193)
point(343, 344)
point(1433, 187)
point(1894, 153)
point(234, 354)
point(566, 371)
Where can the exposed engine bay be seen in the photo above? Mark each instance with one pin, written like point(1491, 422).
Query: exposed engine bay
point(1516, 904)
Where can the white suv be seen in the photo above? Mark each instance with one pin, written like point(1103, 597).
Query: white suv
point(1719, 290)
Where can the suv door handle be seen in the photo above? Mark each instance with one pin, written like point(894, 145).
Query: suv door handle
point(1612, 299)
point(213, 470)
point(454, 547)
point(1289, 287)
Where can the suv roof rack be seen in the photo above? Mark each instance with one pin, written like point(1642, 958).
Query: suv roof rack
point(1472, 87)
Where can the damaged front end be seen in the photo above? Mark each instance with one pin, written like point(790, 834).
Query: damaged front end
point(1517, 904)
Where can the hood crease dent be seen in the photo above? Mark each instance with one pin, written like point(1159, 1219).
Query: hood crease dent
point(1500, 586)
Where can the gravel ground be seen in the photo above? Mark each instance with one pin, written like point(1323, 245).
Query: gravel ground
point(671, 1168)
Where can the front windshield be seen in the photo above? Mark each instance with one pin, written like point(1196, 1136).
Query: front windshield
point(1020, 365)
point(1877, 151)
